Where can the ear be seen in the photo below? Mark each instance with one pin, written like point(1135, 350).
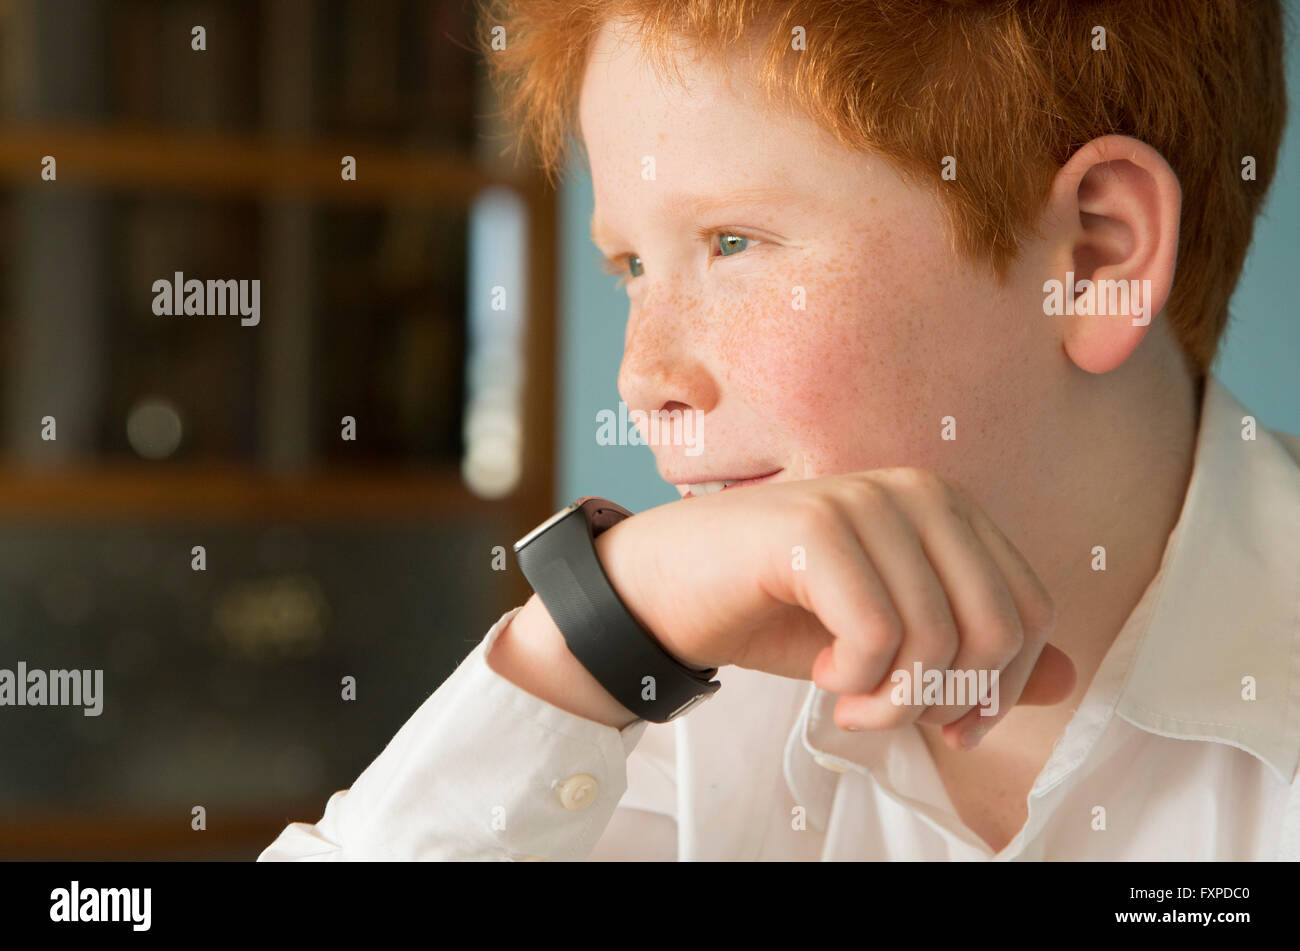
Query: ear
point(1112, 216)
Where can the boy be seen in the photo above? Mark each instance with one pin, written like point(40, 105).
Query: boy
point(942, 283)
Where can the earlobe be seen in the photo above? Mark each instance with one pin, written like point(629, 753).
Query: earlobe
point(1119, 205)
point(1099, 344)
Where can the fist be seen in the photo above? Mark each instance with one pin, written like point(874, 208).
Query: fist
point(851, 581)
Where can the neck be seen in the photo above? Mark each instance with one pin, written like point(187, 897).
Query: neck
point(1122, 459)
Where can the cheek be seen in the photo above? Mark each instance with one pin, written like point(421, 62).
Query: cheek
point(775, 355)
point(835, 380)
point(887, 346)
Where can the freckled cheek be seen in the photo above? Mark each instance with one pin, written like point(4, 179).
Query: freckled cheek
point(809, 372)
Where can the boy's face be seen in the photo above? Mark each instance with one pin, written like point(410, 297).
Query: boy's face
point(897, 331)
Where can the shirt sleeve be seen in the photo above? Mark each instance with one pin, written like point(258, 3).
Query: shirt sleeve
point(485, 771)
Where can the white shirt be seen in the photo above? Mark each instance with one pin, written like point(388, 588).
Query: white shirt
point(1164, 758)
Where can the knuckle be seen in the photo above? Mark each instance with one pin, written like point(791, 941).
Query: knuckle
point(1011, 637)
point(885, 632)
point(922, 482)
point(1007, 642)
point(939, 644)
point(998, 646)
point(946, 653)
point(928, 491)
point(816, 515)
point(863, 492)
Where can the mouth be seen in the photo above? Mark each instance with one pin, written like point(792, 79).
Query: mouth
point(691, 490)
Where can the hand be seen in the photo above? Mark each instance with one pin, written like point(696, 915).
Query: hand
point(898, 567)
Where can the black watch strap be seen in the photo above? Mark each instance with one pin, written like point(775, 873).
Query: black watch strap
point(559, 560)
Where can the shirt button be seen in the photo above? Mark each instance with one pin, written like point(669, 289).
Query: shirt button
point(827, 763)
point(578, 792)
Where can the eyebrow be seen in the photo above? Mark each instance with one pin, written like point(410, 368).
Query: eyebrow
point(702, 204)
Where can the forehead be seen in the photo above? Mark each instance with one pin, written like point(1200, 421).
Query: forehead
point(707, 123)
point(622, 72)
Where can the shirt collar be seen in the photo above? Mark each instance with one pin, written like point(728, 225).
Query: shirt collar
point(1227, 606)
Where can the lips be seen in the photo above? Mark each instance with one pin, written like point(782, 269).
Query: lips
point(691, 490)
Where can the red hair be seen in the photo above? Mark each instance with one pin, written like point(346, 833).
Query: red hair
point(1009, 87)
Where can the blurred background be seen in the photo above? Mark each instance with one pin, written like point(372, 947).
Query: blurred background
point(446, 301)
point(416, 301)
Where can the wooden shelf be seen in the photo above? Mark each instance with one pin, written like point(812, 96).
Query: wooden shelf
point(211, 491)
point(153, 159)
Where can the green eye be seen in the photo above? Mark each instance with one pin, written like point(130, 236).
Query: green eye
point(731, 243)
point(624, 267)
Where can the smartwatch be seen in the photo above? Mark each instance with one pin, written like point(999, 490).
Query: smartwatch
point(559, 560)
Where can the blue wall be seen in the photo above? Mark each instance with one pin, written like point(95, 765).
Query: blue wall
point(1259, 358)
point(593, 319)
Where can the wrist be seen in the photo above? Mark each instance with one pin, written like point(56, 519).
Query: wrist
point(631, 575)
point(532, 654)
point(614, 644)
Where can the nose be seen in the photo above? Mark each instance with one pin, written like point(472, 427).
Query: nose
point(665, 365)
